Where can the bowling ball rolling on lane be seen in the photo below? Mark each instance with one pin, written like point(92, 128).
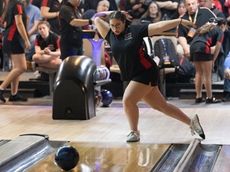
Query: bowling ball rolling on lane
point(67, 157)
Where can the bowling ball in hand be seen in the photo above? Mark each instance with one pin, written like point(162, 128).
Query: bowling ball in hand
point(66, 157)
point(107, 98)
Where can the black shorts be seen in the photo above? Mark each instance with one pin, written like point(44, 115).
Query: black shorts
point(201, 57)
point(14, 46)
point(148, 77)
point(70, 51)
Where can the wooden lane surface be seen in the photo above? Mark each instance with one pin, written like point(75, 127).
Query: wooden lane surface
point(107, 157)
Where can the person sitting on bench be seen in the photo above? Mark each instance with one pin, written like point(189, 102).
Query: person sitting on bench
point(47, 47)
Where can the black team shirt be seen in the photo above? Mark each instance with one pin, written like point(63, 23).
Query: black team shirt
point(203, 15)
point(203, 43)
point(54, 6)
point(14, 8)
point(52, 41)
point(127, 50)
point(71, 35)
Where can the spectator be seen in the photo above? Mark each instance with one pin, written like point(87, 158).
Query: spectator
point(121, 5)
point(226, 97)
point(37, 3)
point(218, 5)
point(71, 29)
point(153, 13)
point(136, 8)
point(199, 16)
point(103, 5)
point(168, 8)
point(209, 35)
point(50, 11)
point(218, 66)
point(181, 9)
point(227, 9)
point(47, 47)
point(226, 43)
point(209, 4)
point(92, 4)
point(3, 10)
point(14, 43)
point(226, 66)
point(33, 17)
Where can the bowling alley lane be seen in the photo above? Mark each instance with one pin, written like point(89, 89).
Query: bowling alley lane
point(107, 157)
point(222, 162)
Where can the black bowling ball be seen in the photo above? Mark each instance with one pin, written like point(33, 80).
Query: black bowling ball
point(66, 157)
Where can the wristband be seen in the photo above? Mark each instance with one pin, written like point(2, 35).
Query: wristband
point(90, 22)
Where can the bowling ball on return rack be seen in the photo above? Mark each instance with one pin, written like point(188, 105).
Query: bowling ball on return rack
point(101, 73)
point(106, 97)
point(67, 157)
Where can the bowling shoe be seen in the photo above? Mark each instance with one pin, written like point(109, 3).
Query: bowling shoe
point(17, 97)
point(196, 127)
point(212, 100)
point(199, 100)
point(133, 136)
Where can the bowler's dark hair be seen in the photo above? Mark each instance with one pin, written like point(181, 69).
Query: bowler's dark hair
point(118, 15)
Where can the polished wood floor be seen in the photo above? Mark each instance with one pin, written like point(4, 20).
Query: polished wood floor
point(110, 124)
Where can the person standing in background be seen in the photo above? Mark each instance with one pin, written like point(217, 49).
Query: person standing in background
point(71, 29)
point(3, 10)
point(33, 17)
point(15, 41)
point(50, 11)
point(226, 94)
point(36, 3)
point(209, 35)
point(199, 16)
